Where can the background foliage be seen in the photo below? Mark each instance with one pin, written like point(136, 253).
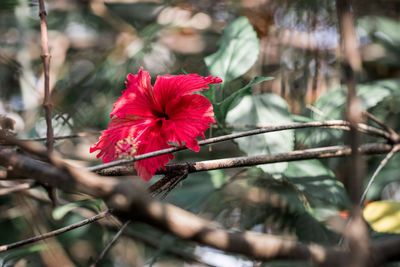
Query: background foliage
point(280, 63)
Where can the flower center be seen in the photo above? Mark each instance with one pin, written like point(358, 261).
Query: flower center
point(161, 115)
point(165, 116)
point(126, 147)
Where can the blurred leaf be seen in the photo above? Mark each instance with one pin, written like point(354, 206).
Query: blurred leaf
point(263, 109)
point(383, 216)
point(217, 178)
point(390, 173)
point(318, 184)
point(333, 103)
point(222, 108)
point(288, 263)
point(192, 193)
point(275, 205)
point(308, 229)
point(383, 32)
point(60, 211)
point(383, 27)
point(238, 51)
point(8, 4)
point(19, 253)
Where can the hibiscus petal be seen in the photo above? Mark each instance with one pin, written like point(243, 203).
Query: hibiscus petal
point(118, 129)
point(138, 97)
point(147, 168)
point(167, 88)
point(189, 116)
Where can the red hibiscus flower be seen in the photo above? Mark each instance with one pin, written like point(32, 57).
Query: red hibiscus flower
point(149, 118)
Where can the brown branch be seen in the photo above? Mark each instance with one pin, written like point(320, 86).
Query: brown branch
point(54, 233)
point(16, 187)
point(129, 201)
point(174, 251)
point(77, 135)
point(356, 231)
point(340, 124)
point(382, 164)
point(395, 137)
point(177, 252)
point(312, 153)
point(110, 244)
point(47, 104)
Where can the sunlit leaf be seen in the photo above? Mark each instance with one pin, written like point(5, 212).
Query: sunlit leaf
point(383, 216)
point(318, 184)
point(263, 109)
point(222, 108)
point(332, 105)
point(238, 51)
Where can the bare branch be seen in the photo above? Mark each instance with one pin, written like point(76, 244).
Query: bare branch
point(47, 104)
point(77, 135)
point(16, 187)
point(356, 231)
point(312, 153)
point(110, 244)
point(376, 172)
point(273, 128)
point(129, 200)
point(395, 137)
point(54, 233)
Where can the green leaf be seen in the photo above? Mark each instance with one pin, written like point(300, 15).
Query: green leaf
point(60, 211)
point(387, 28)
point(218, 178)
point(238, 51)
point(8, 4)
point(318, 184)
point(332, 104)
point(263, 109)
point(19, 253)
point(389, 174)
point(222, 108)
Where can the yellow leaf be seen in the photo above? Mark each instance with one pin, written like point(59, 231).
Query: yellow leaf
point(383, 216)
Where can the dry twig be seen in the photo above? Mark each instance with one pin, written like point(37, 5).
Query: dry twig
point(47, 104)
point(330, 124)
point(110, 244)
point(129, 200)
point(54, 233)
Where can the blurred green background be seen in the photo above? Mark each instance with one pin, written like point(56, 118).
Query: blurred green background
point(94, 44)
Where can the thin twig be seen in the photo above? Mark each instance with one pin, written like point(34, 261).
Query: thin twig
point(395, 137)
point(356, 231)
point(312, 153)
point(54, 233)
point(47, 104)
point(330, 124)
point(17, 188)
point(77, 135)
point(110, 244)
point(381, 165)
point(129, 200)
point(38, 139)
